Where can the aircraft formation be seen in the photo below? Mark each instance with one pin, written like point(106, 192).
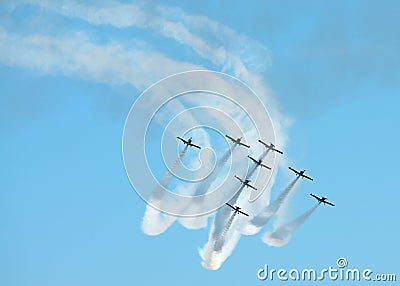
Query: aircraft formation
point(246, 182)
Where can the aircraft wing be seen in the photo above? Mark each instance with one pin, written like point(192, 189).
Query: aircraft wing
point(252, 159)
point(300, 174)
point(243, 213)
point(319, 199)
point(229, 137)
point(194, 145)
point(230, 205)
point(182, 139)
point(329, 203)
point(245, 145)
point(307, 177)
point(265, 166)
point(265, 144)
point(254, 188)
point(271, 147)
point(297, 172)
point(239, 179)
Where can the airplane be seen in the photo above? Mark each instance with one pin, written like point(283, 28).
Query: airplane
point(322, 200)
point(188, 142)
point(237, 141)
point(301, 173)
point(271, 147)
point(237, 210)
point(246, 182)
point(259, 162)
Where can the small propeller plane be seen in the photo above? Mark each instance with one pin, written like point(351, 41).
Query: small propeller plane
point(246, 182)
point(322, 200)
point(237, 141)
point(270, 146)
point(259, 162)
point(236, 209)
point(301, 173)
point(188, 142)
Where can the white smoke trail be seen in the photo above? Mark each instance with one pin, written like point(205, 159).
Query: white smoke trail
point(282, 234)
point(220, 245)
point(262, 157)
point(264, 154)
point(217, 249)
point(211, 258)
point(197, 201)
point(223, 214)
point(155, 222)
point(210, 40)
point(258, 221)
point(167, 176)
point(216, 258)
point(205, 185)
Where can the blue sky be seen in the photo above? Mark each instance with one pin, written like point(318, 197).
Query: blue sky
point(70, 72)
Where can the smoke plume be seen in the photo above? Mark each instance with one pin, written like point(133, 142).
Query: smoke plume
point(258, 221)
point(281, 235)
point(155, 222)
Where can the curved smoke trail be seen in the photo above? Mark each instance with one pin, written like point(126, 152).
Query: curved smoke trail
point(205, 185)
point(262, 157)
point(155, 222)
point(216, 249)
point(197, 200)
point(258, 221)
point(159, 190)
point(282, 234)
point(211, 257)
point(219, 243)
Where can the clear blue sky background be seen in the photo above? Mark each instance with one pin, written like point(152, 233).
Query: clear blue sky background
point(68, 213)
